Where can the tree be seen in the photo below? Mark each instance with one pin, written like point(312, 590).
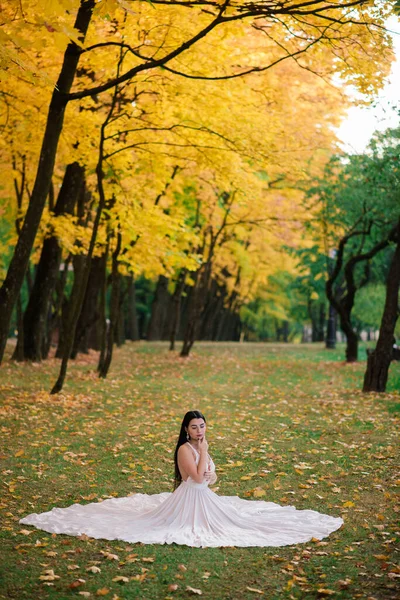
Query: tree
point(326, 24)
point(376, 375)
point(356, 211)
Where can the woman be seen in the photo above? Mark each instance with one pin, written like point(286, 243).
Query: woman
point(192, 514)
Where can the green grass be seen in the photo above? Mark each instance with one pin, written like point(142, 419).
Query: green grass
point(291, 416)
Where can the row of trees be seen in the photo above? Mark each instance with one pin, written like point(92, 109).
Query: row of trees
point(164, 152)
point(355, 222)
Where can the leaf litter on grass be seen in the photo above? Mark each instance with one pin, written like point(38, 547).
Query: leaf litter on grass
point(284, 426)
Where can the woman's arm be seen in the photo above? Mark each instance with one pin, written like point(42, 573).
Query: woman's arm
point(187, 463)
point(211, 477)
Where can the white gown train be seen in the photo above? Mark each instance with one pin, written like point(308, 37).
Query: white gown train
point(193, 515)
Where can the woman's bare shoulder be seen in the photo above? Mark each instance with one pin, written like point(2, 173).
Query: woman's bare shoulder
point(185, 450)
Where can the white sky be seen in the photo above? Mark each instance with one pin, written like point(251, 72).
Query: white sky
point(357, 129)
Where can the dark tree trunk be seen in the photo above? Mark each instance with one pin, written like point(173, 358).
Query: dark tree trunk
point(86, 336)
point(212, 310)
point(120, 328)
point(321, 335)
point(86, 328)
point(285, 331)
point(60, 305)
point(376, 375)
point(12, 284)
point(176, 308)
point(331, 328)
point(195, 306)
point(103, 327)
point(18, 354)
point(158, 310)
point(352, 344)
point(37, 311)
point(344, 305)
point(78, 297)
point(69, 306)
point(114, 310)
point(131, 324)
point(316, 311)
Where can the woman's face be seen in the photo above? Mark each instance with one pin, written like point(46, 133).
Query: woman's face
point(196, 429)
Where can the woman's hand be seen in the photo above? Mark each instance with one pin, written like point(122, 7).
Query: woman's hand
point(203, 445)
point(210, 476)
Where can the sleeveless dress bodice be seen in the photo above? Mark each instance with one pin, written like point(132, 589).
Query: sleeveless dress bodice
point(210, 467)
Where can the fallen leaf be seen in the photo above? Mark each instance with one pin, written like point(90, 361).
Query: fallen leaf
point(121, 579)
point(182, 568)
point(173, 587)
point(94, 569)
point(194, 590)
point(344, 583)
point(254, 590)
point(49, 576)
point(102, 592)
point(109, 555)
point(76, 583)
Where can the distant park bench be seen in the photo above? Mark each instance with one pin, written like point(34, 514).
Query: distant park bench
point(395, 352)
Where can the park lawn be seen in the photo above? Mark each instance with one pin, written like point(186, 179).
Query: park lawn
point(287, 423)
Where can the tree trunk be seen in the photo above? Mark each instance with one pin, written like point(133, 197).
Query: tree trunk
point(69, 305)
point(61, 303)
point(213, 306)
point(176, 308)
point(12, 284)
point(158, 310)
point(321, 335)
point(90, 314)
point(18, 354)
point(330, 343)
point(131, 325)
point(37, 310)
point(376, 375)
point(352, 345)
point(104, 365)
point(194, 310)
point(103, 312)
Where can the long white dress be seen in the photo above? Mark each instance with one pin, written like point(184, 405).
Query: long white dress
point(193, 515)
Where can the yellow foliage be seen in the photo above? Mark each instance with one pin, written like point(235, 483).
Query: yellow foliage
point(177, 145)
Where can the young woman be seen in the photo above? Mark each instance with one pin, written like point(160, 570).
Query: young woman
point(193, 514)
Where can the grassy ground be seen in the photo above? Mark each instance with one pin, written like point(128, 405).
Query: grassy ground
point(287, 423)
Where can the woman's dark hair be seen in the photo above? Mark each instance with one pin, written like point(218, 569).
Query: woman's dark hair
point(182, 439)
